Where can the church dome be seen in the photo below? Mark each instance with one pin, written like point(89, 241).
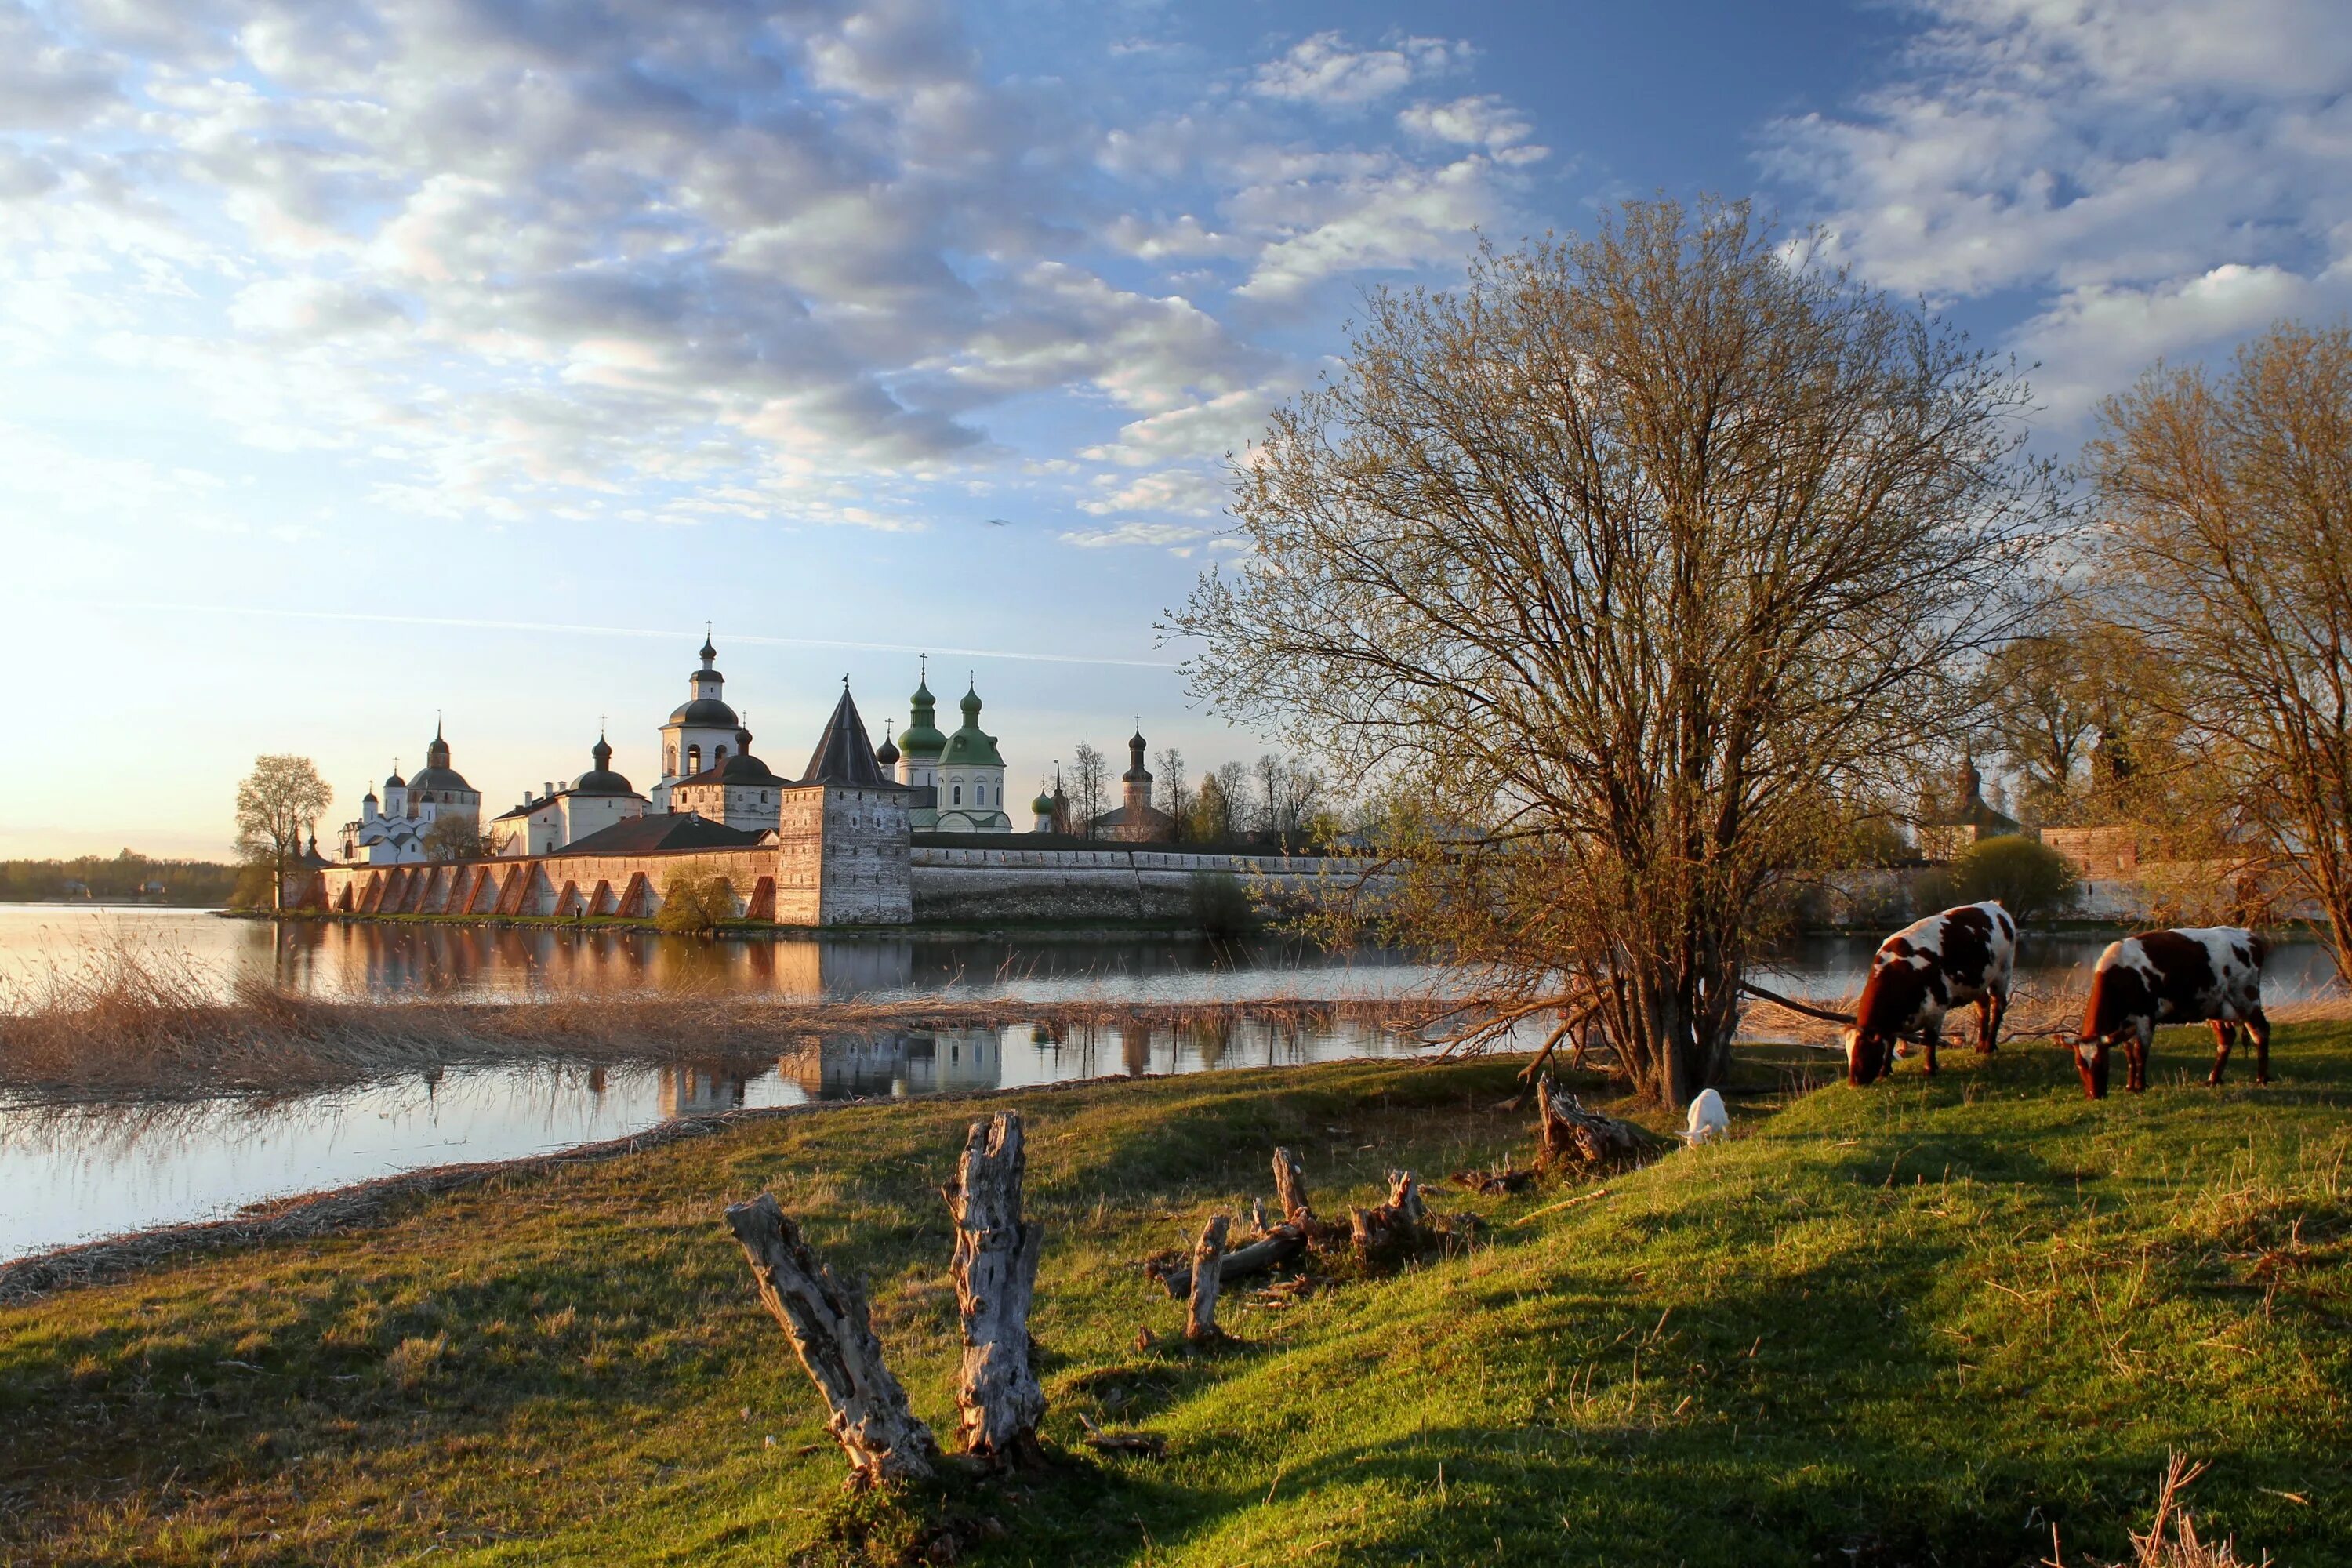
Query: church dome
point(601, 779)
point(707, 712)
point(1043, 805)
point(394, 781)
point(742, 768)
point(887, 754)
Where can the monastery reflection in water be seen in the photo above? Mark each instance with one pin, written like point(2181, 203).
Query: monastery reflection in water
point(899, 1063)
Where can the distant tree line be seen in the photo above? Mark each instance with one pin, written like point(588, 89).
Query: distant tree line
point(125, 878)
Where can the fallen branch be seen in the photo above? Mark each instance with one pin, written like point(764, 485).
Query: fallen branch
point(832, 1332)
point(1150, 1445)
point(1531, 1217)
point(1824, 1013)
point(1495, 1182)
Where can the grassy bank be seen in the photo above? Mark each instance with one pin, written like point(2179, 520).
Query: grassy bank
point(1916, 1324)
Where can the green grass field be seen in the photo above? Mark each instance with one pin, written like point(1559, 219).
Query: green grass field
point(1916, 1324)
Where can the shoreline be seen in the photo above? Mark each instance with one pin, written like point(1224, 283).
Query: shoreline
point(362, 1206)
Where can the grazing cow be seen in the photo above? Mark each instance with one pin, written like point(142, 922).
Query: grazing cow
point(1924, 971)
point(2211, 974)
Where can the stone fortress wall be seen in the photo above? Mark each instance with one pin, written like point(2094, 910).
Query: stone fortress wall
point(845, 860)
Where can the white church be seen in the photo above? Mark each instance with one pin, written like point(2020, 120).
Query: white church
point(955, 784)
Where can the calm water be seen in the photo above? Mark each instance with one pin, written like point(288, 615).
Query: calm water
point(69, 1175)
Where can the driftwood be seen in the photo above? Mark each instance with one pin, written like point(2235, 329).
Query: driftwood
point(1208, 1255)
point(1495, 1182)
point(995, 1273)
point(1269, 1246)
point(831, 1332)
point(1150, 1445)
point(1399, 1225)
point(1566, 1133)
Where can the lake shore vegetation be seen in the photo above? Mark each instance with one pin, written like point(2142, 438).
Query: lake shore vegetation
point(1967, 1319)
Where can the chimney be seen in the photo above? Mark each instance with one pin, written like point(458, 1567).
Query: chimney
point(547, 789)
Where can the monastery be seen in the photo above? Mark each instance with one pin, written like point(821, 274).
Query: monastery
point(863, 835)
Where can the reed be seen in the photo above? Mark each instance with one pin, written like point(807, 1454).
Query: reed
point(118, 1022)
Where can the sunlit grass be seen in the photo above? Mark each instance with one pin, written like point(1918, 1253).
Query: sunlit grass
point(1918, 1323)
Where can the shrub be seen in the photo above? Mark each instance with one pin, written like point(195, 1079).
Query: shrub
point(2028, 876)
point(1221, 905)
point(691, 908)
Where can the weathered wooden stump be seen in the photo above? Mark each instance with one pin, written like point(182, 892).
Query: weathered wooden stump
point(1208, 1257)
point(831, 1332)
point(1290, 1190)
point(995, 1273)
point(1569, 1134)
point(1396, 1226)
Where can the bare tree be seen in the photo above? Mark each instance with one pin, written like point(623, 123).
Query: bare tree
point(1175, 789)
point(454, 835)
point(1651, 551)
point(2229, 502)
point(279, 802)
point(1089, 779)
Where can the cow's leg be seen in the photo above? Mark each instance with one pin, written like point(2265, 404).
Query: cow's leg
point(2136, 1058)
point(2094, 1069)
point(2259, 1028)
point(1990, 1009)
point(1935, 1037)
point(2223, 1033)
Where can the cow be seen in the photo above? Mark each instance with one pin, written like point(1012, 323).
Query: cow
point(2208, 975)
point(1924, 971)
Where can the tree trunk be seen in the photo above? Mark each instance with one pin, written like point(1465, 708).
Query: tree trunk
point(1396, 1225)
point(831, 1332)
point(1569, 1134)
point(1208, 1257)
point(995, 1272)
point(1290, 1189)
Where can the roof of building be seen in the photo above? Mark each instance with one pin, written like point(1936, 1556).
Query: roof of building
point(844, 755)
point(660, 831)
point(707, 712)
point(393, 781)
point(885, 753)
point(969, 747)
point(439, 778)
point(742, 770)
point(601, 779)
point(1142, 816)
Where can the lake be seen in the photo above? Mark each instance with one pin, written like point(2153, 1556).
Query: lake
point(72, 1174)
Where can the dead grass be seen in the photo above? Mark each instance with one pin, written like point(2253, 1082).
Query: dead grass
point(2171, 1540)
point(124, 1023)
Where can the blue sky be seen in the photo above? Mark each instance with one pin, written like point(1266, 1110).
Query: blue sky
point(361, 361)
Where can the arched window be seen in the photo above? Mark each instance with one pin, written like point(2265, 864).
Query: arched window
point(717, 756)
point(670, 760)
point(958, 795)
point(693, 759)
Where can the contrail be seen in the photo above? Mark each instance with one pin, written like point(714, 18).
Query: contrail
point(733, 636)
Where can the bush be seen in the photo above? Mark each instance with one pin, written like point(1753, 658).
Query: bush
point(2026, 876)
point(1221, 905)
point(691, 908)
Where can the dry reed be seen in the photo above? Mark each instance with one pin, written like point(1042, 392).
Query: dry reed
point(125, 1024)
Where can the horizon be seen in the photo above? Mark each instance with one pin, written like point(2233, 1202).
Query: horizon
point(389, 362)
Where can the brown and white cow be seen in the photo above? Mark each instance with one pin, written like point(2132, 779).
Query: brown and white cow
point(1924, 971)
point(2208, 975)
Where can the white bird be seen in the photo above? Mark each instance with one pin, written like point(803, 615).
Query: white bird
point(1709, 1120)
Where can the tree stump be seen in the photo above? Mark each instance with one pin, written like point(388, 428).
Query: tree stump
point(1396, 1226)
point(1290, 1190)
point(831, 1332)
point(1568, 1134)
point(995, 1273)
point(1208, 1259)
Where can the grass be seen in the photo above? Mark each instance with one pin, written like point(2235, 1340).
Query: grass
point(1920, 1323)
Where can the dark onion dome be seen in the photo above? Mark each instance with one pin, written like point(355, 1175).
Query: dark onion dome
point(704, 712)
point(601, 779)
point(709, 653)
point(887, 754)
point(439, 779)
point(395, 780)
point(1136, 773)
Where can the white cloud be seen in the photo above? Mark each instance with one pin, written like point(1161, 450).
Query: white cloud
point(1484, 121)
point(1163, 536)
point(1186, 492)
point(1324, 71)
point(2162, 175)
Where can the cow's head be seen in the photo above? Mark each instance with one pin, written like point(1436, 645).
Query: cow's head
point(2090, 1052)
point(1866, 1055)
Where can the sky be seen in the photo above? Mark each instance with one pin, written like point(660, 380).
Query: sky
point(368, 362)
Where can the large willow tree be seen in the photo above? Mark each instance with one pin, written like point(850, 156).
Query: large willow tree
point(1638, 561)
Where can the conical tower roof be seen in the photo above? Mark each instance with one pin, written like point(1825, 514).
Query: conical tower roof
point(844, 755)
